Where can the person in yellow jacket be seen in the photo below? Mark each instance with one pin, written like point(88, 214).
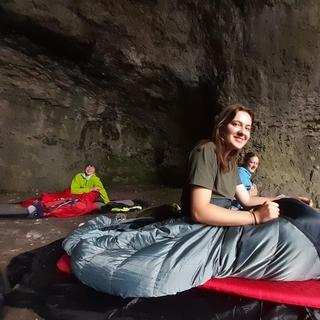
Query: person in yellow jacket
point(88, 181)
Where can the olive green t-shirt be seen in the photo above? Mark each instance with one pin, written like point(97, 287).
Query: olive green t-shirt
point(203, 171)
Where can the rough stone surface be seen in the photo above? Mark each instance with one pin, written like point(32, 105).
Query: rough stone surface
point(132, 85)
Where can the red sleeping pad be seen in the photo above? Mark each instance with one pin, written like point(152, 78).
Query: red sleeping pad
point(63, 264)
point(300, 293)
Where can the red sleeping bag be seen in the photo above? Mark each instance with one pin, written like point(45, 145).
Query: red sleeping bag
point(65, 204)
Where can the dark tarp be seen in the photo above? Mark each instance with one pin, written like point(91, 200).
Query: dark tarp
point(38, 285)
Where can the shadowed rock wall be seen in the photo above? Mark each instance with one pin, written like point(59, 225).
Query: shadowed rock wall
point(271, 52)
point(131, 85)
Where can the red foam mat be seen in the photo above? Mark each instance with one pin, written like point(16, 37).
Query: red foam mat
point(64, 264)
point(301, 293)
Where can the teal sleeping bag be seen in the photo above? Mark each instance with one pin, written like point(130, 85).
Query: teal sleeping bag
point(174, 255)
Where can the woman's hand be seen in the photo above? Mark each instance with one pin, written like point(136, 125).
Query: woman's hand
point(97, 189)
point(307, 201)
point(266, 212)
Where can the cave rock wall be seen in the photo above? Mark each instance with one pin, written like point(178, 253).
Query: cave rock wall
point(132, 85)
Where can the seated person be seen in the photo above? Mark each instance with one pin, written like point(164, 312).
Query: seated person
point(246, 170)
point(88, 181)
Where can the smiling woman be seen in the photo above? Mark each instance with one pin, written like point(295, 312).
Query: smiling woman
point(213, 179)
point(231, 132)
point(246, 170)
point(251, 162)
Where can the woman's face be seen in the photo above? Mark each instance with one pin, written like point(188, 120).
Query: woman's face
point(90, 170)
point(238, 131)
point(252, 164)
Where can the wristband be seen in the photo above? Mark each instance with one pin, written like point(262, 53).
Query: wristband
point(254, 217)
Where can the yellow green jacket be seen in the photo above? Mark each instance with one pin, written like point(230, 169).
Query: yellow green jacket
point(80, 185)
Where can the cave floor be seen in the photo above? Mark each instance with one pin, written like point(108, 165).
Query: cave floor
point(22, 235)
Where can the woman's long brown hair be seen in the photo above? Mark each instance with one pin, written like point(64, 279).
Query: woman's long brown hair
point(218, 136)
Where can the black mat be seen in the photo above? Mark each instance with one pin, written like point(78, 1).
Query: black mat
point(38, 285)
point(16, 211)
point(12, 210)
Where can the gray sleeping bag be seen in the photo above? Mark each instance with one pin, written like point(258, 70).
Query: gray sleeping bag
point(175, 255)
